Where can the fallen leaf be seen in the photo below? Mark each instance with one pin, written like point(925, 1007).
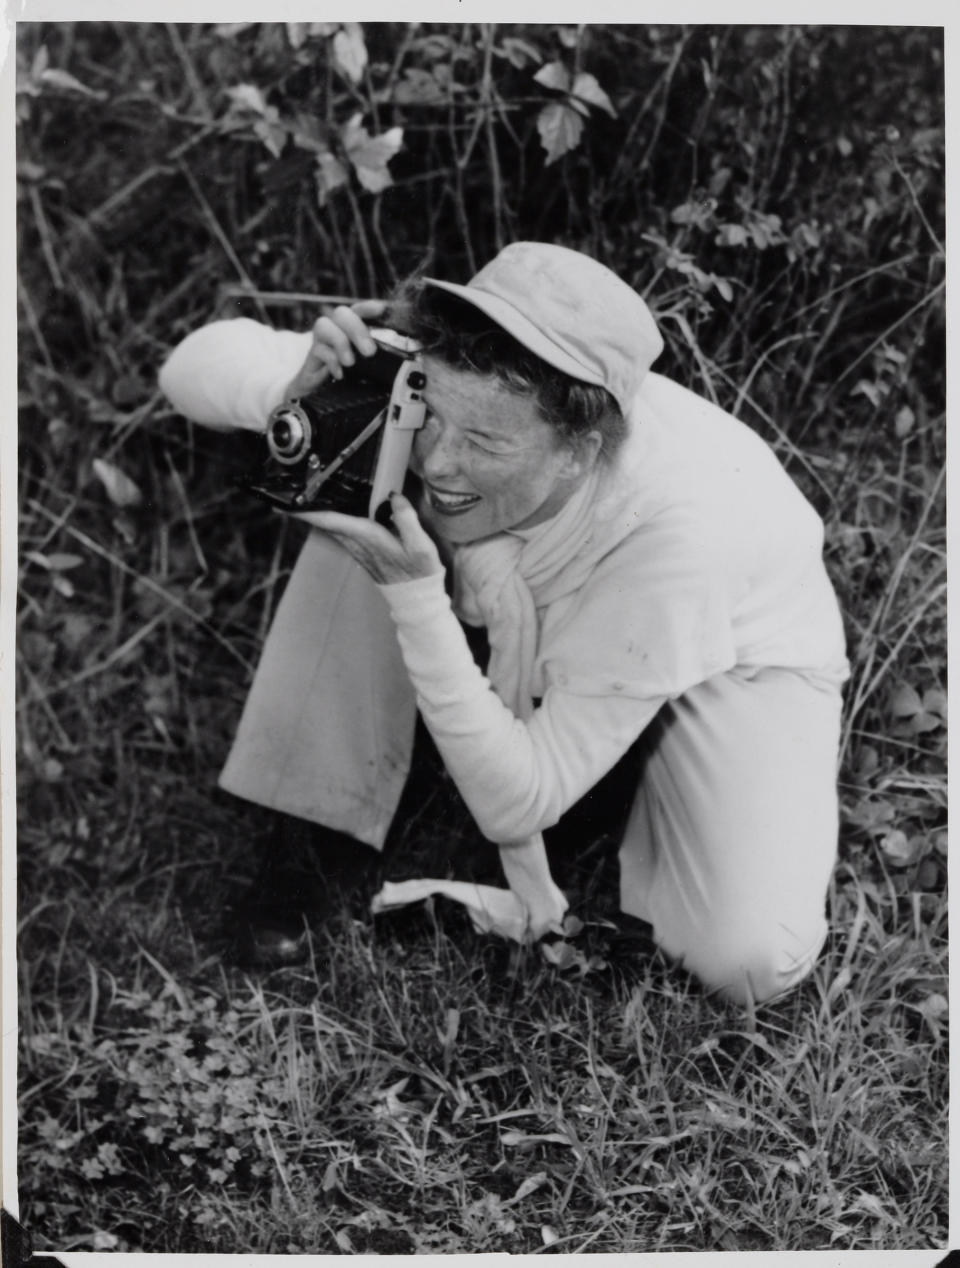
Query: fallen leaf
point(528, 1186)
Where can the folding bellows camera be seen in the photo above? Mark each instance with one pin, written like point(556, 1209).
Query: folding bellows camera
point(346, 446)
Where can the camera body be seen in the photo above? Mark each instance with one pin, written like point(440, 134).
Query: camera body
point(346, 446)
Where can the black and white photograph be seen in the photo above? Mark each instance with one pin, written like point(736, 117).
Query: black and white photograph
point(475, 582)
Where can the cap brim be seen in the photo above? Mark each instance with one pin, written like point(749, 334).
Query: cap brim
point(522, 329)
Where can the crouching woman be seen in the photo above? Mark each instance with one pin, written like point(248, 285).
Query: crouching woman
point(650, 579)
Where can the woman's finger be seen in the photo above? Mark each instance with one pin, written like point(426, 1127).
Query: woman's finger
point(416, 541)
point(355, 329)
point(367, 308)
point(329, 338)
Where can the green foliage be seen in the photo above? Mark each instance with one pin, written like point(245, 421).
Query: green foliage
point(777, 194)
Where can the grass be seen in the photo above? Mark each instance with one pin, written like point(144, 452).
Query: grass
point(418, 1088)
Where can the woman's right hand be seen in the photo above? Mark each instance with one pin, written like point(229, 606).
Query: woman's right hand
point(338, 337)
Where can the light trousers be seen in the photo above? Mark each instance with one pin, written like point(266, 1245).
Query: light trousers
point(732, 834)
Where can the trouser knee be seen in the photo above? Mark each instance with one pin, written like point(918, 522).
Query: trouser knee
point(749, 965)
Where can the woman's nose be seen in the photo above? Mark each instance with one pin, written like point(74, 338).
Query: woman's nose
point(438, 456)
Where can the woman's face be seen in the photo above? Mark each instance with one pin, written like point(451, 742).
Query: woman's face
point(487, 458)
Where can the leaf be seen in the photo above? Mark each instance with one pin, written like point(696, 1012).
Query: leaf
point(588, 89)
point(370, 155)
point(698, 211)
point(514, 1137)
point(62, 79)
point(227, 30)
point(247, 97)
point(872, 391)
point(560, 130)
point(350, 51)
point(331, 174)
point(560, 954)
point(723, 286)
point(120, 489)
point(528, 1186)
point(934, 701)
point(554, 75)
point(900, 851)
point(906, 702)
point(519, 52)
point(904, 421)
point(934, 1007)
point(418, 87)
point(547, 1235)
point(731, 235)
point(272, 133)
point(568, 36)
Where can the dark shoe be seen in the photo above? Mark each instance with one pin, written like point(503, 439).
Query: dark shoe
point(308, 873)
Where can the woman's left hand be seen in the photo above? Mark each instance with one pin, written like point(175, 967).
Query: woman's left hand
point(387, 558)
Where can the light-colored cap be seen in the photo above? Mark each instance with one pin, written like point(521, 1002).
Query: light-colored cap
point(570, 311)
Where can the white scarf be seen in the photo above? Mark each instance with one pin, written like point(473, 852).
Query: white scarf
point(503, 582)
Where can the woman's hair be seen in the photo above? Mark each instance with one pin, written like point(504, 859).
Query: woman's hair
point(452, 330)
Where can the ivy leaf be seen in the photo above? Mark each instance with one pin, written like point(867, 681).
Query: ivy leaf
point(350, 51)
point(560, 129)
point(370, 155)
point(588, 89)
point(120, 489)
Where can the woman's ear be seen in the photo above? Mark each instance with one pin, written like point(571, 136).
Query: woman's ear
point(584, 453)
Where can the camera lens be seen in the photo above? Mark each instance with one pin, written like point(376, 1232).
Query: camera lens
point(288, 434)
point(417, 380)
point(282, 433)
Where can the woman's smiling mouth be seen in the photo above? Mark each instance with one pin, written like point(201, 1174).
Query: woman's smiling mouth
point(451, 503)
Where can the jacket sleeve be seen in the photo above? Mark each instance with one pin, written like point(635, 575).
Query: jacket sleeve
point(232, 373)
point(517, 777)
